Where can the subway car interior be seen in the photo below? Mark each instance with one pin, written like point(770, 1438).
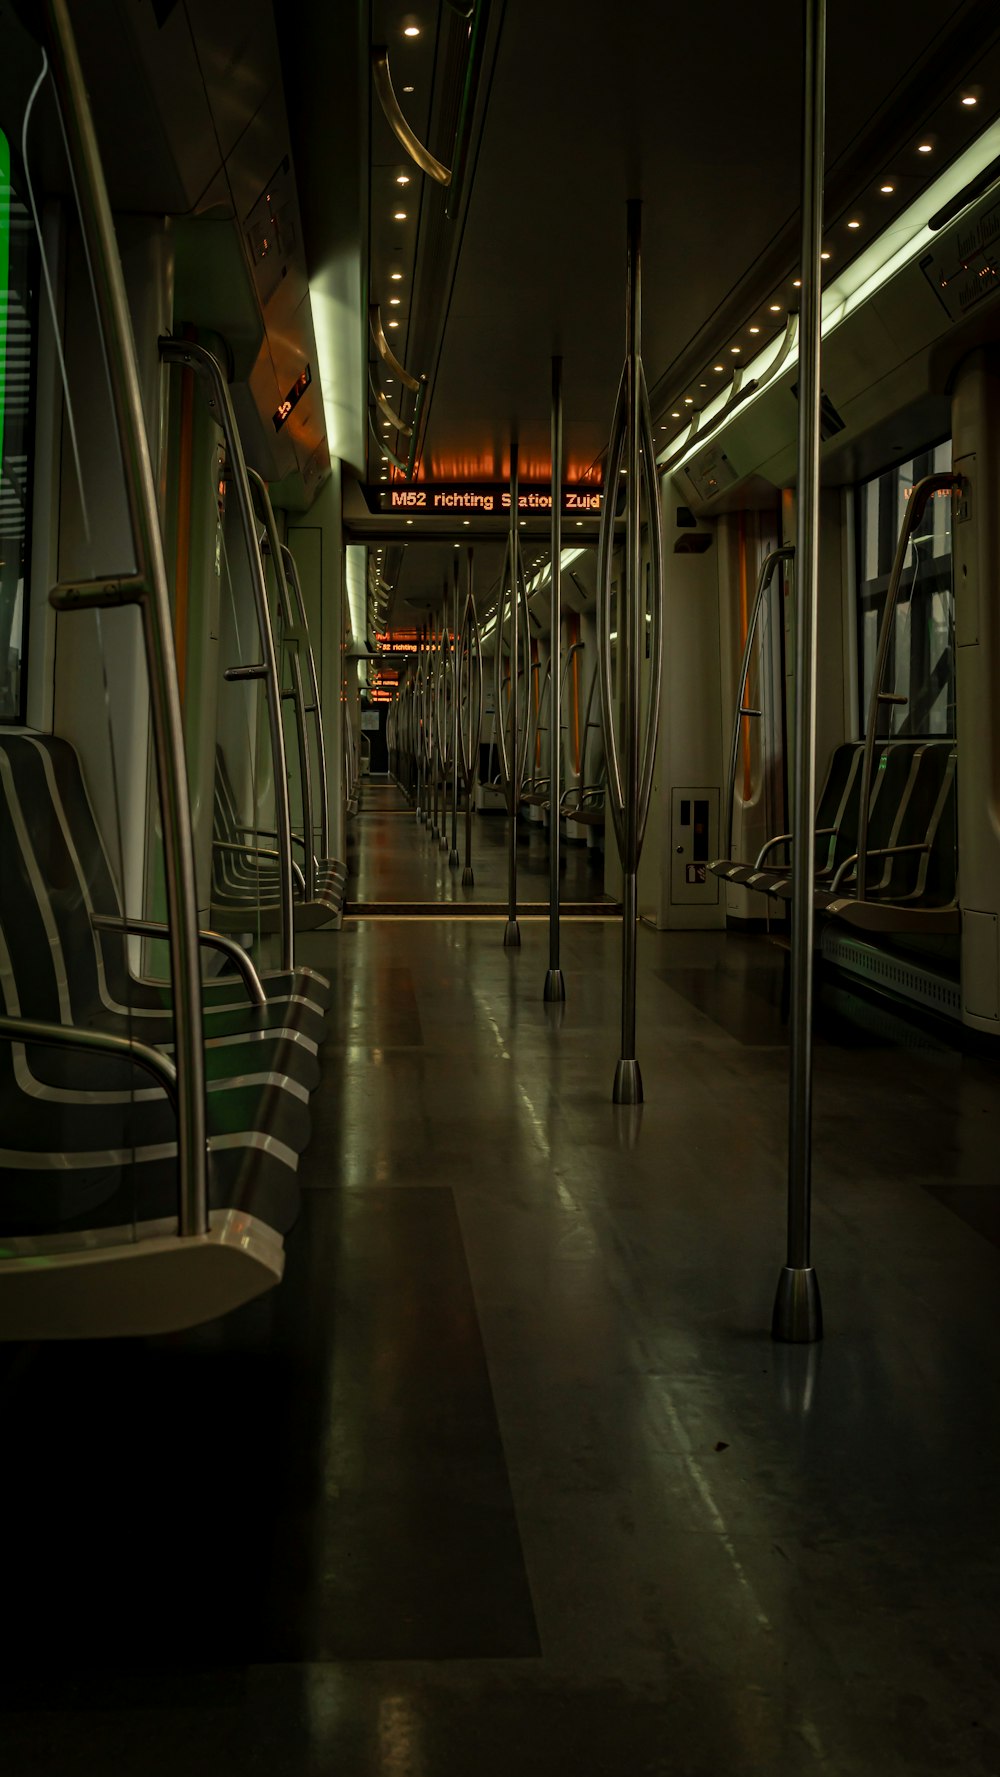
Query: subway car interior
point(499, 888)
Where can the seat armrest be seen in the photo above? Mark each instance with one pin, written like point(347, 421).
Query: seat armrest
point(97, 1042)
point(155, 928)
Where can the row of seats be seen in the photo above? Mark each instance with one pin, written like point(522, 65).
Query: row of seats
point(105, 1152)
point(246, 892)
point(911, 877)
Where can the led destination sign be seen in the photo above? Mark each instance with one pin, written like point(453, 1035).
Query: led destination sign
point(446, 499)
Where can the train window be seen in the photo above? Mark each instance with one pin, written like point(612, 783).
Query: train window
point(16, 309)
point(921, 659)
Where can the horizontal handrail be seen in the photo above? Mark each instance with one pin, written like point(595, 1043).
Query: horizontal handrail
point(155, 928)
point(98, 1042)
point(786, 839)
point(260, 851)
point(875, 851)
point(423, 158)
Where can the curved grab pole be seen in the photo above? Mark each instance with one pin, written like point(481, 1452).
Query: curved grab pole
point(189, 355)
point(292, 574)
point(453, 859)
point(915, 507)
point(422, 156)
point(764, 578)
point(445, 697)
point(386, 352)
point(148, 589)
point(290, 640)
point(470, 666)
point(630, 772)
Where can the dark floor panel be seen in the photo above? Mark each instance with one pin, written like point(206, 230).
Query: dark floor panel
point(404, 1544)
point(747, 1003)
point(318, 1476)
point(979, 1205)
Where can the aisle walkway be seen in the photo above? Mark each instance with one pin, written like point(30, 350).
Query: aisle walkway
point(394, 861)
point(508, 1479)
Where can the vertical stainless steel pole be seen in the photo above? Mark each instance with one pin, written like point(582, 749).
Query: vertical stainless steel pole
point(798, 1313)
point(418, 736)
point(555, 985)
point(512, 931)
point(453, 857)
point(628, 1079)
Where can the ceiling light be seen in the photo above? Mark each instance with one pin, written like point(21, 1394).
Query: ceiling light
point(394, 302)
point(402, 178)
point(396, 277)
point(579, 524)
point(411, 30)
point(824, 255)
point(854, 225)
point(689, 400)
point(775, 308)
point(718, 367)
point(754, 330)
point(393, 323)
point(736, 350)
point(675, 415)
point(887, 188)
point(796, 283)
point(409, 521)
point(399, 215)
point(407, 89)
point(924, 147)
point(465, 521)
point(703, 385)
point(970, 99)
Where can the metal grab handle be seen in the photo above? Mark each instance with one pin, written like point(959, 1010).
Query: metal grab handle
point(630, 821)
point(767, 571)
point(154, 928)
point(191, 356)
point(422, 156)
point(470, 664)
point(296, 694)
point(100, 1042)
point(148, 589)
point(924, 490)
point(302, 619)
point(878, 851)
point(445, 693)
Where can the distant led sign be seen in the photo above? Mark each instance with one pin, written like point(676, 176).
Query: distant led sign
point(292, 399)
point(446, 499)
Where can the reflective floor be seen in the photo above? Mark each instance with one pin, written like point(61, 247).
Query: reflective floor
point(509, 1477)
point(395, 860)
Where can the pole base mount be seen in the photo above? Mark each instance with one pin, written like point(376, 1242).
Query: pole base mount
point(453, 858)
point(798, 1311)
point(628, 1083)
point(443, 842)
point(468, 877)
point(555, 986)
point(434, 832)
point(512, 935)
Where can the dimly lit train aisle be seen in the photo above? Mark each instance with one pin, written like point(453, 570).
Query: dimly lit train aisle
point(508, 1477)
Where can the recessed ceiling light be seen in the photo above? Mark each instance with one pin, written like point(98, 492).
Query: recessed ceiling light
point(407, 89)
point(854, 224)
point(689, 400)
point(411, 30)
point(394, 302)
point(465, 521)
point(703, 385)
point(824, 255)
point(775, 308)
point(754, 330)
point(396, 277)
point(924, 147)
point(736, 350)
point(579, 524)
point(393, 323)
point(399, 216)
point(887, 188)
point(409, 521)
point(402, 178)
point(675, 415)
point(718, 367)
point(970, 99)
point(796, 283)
